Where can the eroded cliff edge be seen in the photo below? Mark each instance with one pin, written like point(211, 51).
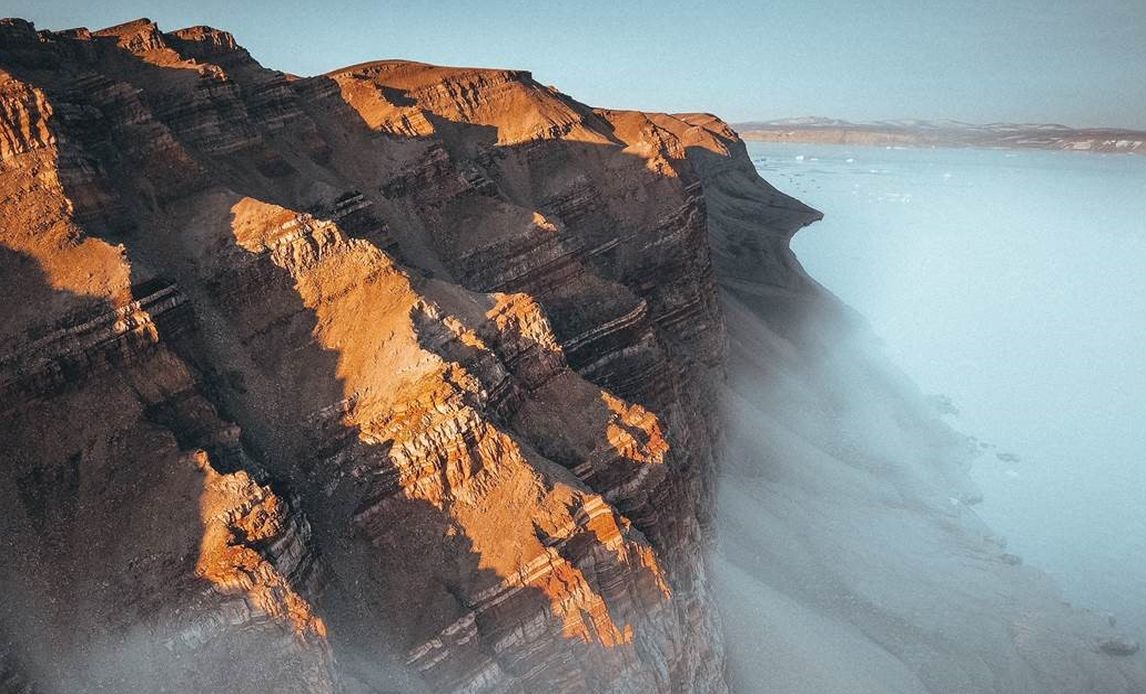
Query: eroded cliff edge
point(401, 377)
point(398, 377)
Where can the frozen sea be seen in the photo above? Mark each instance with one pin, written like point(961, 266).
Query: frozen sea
point(1013, 283)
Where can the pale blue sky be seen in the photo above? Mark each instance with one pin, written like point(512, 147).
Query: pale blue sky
point(1076, 62)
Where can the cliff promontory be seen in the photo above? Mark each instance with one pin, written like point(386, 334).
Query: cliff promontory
point(402, 376)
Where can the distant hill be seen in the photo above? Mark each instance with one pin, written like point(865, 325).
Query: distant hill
point(944, 133)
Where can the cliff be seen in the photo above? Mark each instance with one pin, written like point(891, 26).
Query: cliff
point(402, 376)
point(398, 378)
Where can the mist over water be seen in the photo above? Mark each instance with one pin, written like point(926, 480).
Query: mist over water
point(1014, 284)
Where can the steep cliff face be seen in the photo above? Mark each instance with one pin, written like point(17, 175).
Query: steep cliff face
point(399, 377)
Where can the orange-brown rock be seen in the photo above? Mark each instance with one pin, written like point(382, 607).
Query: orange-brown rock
point(399, 377)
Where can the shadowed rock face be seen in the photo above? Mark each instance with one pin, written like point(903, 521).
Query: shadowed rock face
point(395, 378)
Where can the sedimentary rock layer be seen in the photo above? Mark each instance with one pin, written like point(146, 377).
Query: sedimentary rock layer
point(398, 377)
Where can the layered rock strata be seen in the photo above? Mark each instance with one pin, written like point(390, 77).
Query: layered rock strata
point(399, 377)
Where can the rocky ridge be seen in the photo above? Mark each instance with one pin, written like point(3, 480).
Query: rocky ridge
point(398, 377)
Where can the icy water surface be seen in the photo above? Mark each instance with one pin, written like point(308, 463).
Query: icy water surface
point(1014, 283)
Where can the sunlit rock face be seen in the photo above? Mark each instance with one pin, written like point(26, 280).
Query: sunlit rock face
point(398, 378)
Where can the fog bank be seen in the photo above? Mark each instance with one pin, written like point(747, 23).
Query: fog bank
point(850, 556)
point(1010, 282)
